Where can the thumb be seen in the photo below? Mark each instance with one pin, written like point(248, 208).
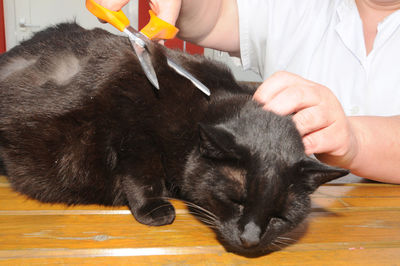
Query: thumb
point(167, 10)
point(113, 5)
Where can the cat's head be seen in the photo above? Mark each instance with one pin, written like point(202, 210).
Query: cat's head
point(251, 180)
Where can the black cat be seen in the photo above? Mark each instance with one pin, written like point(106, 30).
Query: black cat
point(81, 124)
point(2, 168)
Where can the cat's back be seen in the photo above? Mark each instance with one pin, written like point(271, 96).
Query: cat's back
point(61, 38)
point(57, 69)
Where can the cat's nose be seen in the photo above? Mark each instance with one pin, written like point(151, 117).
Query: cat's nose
point(251, 235)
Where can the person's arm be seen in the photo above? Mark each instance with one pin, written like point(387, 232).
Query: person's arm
point(368, 146)
point(209, 23)
point(378, 149)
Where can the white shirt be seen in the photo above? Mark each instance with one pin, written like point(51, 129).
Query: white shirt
point(322, 40)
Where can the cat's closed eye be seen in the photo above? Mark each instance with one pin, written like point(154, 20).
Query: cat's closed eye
point(237, 183)
point(235, 174)
point(236, 199)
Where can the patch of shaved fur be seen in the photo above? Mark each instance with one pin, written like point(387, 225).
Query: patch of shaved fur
point(65, 69)
point(15, 65)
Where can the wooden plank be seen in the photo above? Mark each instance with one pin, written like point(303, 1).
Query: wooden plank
point(121, 231)
point(99, 231)
point(355, 203)
point(359, 190)
point(347, 227)
point(344, 256)
point(3, 180)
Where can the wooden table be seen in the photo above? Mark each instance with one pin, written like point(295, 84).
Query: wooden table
point(350, 224)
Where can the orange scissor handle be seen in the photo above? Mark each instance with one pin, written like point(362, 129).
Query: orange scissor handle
point(159, 29)
point(155, 29)
point(115, 18)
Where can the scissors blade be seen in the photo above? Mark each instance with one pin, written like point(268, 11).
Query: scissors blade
point(181, 71)
point(139, 46)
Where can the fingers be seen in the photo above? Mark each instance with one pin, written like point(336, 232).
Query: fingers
point(315, 142)
point(322, 132)
point(333, 140)
point(312, 119)
point(292, 99)
point(167, 10)
point(273, 85)
point(113, 5)
point(317, 113)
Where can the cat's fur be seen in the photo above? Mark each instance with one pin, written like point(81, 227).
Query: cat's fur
point(81, 124)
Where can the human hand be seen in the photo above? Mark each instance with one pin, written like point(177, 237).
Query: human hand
point(113, 5)
point(317, 113)
point(167, 10)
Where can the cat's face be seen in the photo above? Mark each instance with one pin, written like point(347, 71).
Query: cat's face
point(251, 195)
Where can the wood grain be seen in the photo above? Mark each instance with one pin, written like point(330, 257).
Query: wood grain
point(350, 224)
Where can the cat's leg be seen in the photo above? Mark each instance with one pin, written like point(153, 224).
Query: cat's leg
point(144, 189)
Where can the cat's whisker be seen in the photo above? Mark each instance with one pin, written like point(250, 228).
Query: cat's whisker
point(203, 216)
point(201, 213)
point(286, 239)
point(208, 222)
point(283, 243)
point(201, 208)
point(287, 243)
point(280, 242)
point(280, 245)
point(276, 245)
point(156, 208)
point(195, 206)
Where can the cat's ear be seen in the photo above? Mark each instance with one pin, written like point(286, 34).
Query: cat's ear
point(217, 143)
point(316, 173)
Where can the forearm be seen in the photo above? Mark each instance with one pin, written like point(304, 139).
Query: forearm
point(377, 156)
point(210, 23)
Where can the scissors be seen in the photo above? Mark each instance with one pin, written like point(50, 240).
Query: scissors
point(155, 29)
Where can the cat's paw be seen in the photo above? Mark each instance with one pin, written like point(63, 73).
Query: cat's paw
point(155, 213)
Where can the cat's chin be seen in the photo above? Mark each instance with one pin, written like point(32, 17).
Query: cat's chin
point(229, 235)
point(262, 249)
point(253, 252)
